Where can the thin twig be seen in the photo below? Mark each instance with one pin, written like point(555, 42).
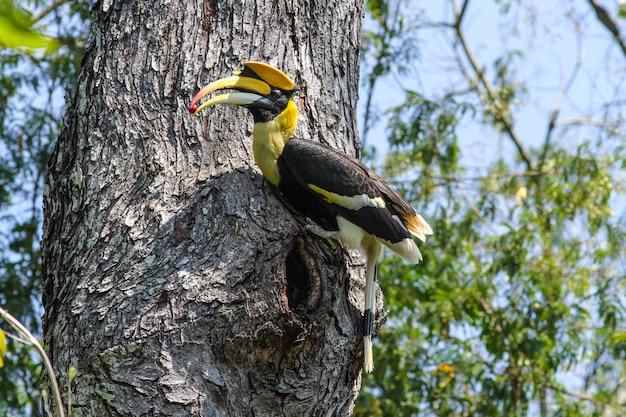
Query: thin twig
point(562, 94)
point(32, 341)
point(47, 10)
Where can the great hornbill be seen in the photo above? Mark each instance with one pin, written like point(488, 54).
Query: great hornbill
point(344, 198)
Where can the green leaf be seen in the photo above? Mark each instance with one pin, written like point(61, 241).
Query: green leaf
point(17, 32)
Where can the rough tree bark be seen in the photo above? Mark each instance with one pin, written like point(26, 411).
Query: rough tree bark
point(176, 283)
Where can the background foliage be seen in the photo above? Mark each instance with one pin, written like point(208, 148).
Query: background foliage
point(504, 126)
point(508, 134)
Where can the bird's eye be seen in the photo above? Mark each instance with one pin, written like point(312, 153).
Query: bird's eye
point(276, 93)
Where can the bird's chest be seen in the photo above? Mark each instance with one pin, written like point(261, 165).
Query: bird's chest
point(267, 148)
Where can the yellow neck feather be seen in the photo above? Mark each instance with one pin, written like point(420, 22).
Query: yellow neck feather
point(270, 138)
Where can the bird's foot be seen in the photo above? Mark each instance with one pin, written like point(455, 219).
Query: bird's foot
point(330, 235)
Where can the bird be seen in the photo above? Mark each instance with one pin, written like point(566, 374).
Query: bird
point(340, 197)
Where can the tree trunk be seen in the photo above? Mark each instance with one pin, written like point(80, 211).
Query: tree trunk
point(176, 282)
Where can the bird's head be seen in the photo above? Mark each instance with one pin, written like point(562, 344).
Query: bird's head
point(262, 89)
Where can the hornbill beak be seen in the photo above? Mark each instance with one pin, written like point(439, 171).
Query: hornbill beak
point(255, 83)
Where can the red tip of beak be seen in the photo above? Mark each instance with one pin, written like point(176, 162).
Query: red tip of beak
point(193, 107)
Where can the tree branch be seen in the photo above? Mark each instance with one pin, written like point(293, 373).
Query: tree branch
point(499, 112)
point(605, 18)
